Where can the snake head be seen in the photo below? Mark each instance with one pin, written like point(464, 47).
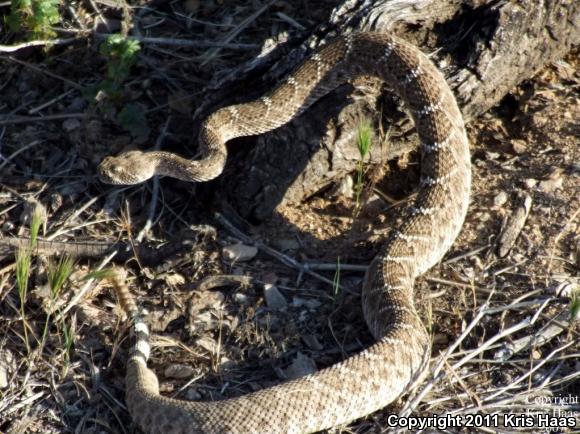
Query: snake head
point(129, 168)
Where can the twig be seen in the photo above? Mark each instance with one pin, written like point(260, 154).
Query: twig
point(50, 102)
point(37, 43)
point(155, 189)
point(537, 339)
point(286, 260)
point(85, 288)
point(45, 72)
point(29, 119)
point(18, 151)
point(235, 32)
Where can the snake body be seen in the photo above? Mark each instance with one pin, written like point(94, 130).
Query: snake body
point(371, 379)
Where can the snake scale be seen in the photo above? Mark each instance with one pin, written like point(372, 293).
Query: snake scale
point(371, 379)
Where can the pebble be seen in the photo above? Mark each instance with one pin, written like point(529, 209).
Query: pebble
point(3, 377)
point(71, 124)
point(286, 244)
point(6, 364)
point(500, 199)
point(274, 299)
point(193, 395)
point(179, 371)
point(312, 342)
point(550, 185)
point(240, 298)
point(519, 146)
point(530, 183)
point(301, 366)
point(239, 252)
point(346, 187)
point(309, 303)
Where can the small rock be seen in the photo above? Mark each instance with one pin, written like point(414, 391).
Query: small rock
point(500, 199)
point(179, 371)
point(3, 377)
point(312, 342)
point(33, 209)
point(519, 146)
point(207, 344)
point(286, 244)
point(240, 298)
point(568, 288)
point(440, 339)
point(530, 183)
point(270, 278)
point(301, 366)
point(346, 188)
point(554, 182)
point(77, 104)
point(71, 124)
point(192, 6)
point(239, 252)
point(6, 365)
point(193, 395)
point(309, 303)
point(55, 201)
point(274, 299)
point(173, 279)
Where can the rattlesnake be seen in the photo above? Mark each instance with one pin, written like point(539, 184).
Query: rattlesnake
point(376, 376)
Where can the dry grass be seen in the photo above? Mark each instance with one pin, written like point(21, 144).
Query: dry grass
point(503, 340)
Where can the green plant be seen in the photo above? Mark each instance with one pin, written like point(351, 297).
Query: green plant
point(121, 56)
point(57, 275)
point(336, 279)
point(68, 332)
point(34, 16)
point(364, 140)
point(23, 262)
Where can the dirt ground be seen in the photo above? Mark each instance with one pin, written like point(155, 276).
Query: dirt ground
point(503, 339)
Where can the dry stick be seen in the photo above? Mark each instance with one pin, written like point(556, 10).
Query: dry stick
point(29, 119)
point(38, 43)
point(529, 373)
point(562, 322)
point(409, 407)
point(24, 402)
point(236, 31)
point(334, 267)
point(72, 216)
point(467, 254)
point(514, 225)
point(286, 260)
point(195, 44)
point(85, 288)
point(437, 375)
point(570, 220)
point(50, 102)
point(290, 21)
point(155, 190)
point(18, 151)
point(364, 268)
point(45, 72)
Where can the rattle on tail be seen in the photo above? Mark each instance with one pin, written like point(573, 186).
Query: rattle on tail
point(373, 378)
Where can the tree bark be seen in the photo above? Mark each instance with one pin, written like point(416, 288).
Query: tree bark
point(484, 47)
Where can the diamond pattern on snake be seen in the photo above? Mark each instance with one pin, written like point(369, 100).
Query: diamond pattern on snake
point(370, 380)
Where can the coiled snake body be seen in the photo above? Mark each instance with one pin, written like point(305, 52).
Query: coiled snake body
point(376, 376)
